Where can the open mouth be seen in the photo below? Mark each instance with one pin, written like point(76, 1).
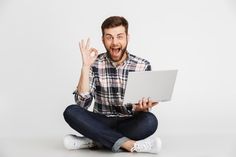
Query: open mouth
point(115, 51)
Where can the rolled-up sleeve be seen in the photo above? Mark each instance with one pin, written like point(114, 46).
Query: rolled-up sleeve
point(129, 108)
point(85, 99)
point(148, 67)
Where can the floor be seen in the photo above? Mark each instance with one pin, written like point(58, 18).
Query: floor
point(173, 146)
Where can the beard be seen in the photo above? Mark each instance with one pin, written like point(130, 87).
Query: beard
point(121, 50)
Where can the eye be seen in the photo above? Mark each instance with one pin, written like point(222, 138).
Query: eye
point(108, 37)
point(120, 37)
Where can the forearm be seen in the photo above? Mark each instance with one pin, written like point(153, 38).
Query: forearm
point(83, 85)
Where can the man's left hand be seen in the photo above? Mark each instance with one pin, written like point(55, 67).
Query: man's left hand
point(144, 105)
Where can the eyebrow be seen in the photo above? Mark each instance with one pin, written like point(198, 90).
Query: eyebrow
point(117, 34)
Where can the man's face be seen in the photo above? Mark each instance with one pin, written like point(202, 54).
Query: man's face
point(115, 41)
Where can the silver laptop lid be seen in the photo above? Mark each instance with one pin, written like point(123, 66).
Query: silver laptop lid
point(158, 85)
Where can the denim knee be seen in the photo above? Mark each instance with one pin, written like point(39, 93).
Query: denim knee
point(69, 111)
point(151, 122)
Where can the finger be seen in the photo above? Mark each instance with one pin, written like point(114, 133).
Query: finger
point(93, 52)
point(140, 104)
point(80, 47)
point(96, 53)
point(87, 44)
point(144, 102)
point(149, 102)
point(154, 103)
point(82, 44)
point(143, 99)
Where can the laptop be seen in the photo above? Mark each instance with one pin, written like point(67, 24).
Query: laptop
point(158, 85)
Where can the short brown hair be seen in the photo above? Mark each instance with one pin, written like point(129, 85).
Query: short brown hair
point(114, 21)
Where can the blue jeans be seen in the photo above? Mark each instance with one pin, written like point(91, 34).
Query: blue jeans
point(111, 132)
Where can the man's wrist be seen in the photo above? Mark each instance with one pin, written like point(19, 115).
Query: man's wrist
point(85, 67)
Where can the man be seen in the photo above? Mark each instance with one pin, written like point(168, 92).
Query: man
point(112, 124)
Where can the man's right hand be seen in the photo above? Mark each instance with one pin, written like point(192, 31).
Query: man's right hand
point(89, 55)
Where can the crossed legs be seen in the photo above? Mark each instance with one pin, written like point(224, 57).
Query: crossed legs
point(111, 132)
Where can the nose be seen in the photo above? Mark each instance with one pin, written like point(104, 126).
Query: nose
point(114, 41)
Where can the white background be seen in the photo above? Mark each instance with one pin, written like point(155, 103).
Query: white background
point(40, 60)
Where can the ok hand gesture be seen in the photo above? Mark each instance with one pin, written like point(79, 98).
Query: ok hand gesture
point(89, 55)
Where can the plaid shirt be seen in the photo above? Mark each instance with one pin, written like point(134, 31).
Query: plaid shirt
point(108, 83)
